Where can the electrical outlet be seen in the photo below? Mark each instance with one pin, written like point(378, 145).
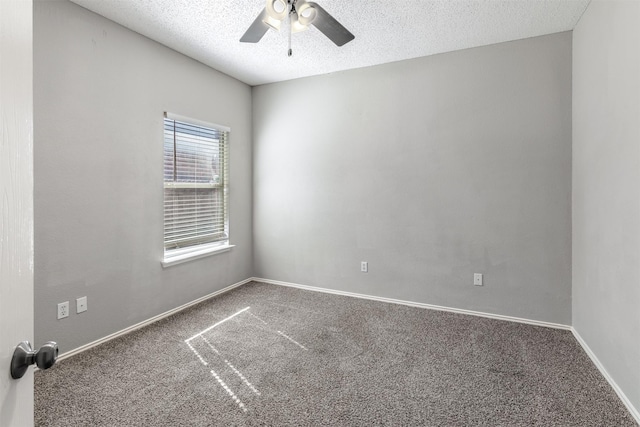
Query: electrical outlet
point(477, 279)
point(364, 266)
point(63, 310)
point(81, 305)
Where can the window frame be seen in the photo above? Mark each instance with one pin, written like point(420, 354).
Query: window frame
point(199, 250)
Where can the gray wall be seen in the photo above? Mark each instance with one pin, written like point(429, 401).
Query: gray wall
point(100, 91)
point(429, 169)
point(606, 188)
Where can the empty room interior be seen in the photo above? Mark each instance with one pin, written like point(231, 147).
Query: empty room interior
point(408, 214)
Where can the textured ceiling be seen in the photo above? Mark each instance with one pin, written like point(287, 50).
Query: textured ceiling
point(386, 31)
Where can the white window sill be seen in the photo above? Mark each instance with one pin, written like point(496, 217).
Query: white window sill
point(194, 254)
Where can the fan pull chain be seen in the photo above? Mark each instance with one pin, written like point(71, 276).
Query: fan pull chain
point(290, 52)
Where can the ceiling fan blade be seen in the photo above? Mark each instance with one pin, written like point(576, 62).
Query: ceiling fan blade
point(257, 29)
point(331, 28)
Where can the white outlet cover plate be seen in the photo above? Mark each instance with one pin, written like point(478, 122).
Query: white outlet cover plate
point(81, 305)
point(63, 310)
point(477, 279)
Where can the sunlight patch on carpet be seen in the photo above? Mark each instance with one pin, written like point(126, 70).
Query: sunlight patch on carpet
point(218, 376)
point(211, 346)
point(200, 358)
point(244, 380)
point(292, 340)
point(229, 392)
point(217, 324)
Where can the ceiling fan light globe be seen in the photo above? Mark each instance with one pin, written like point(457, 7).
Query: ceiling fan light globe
point(296, 26)
point(279, 6)
point(277, 9)
point(306, 13)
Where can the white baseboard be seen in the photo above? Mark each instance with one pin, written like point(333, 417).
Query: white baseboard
point(635, 413)
point(309, 288)
point(149, 321)
point(417, 304)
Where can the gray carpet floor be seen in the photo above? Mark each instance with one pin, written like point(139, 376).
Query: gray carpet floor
point(270, 355)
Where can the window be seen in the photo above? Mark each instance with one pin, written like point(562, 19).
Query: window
point(196, 219)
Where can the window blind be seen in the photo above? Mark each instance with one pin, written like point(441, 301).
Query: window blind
point(195, 184)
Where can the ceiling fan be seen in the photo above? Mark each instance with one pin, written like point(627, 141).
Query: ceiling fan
point(301, 14)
